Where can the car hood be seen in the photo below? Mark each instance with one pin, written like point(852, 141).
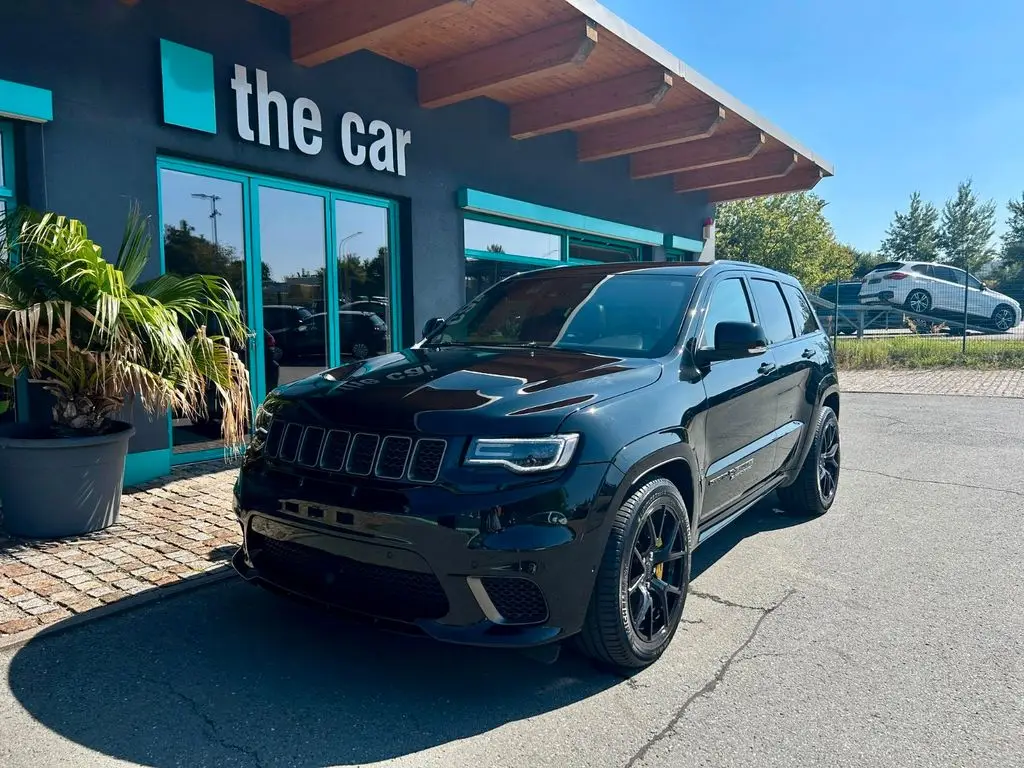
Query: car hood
point(462, 390)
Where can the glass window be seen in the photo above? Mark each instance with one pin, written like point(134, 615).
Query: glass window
point(7, 398)
point(772, 310)
point(944, 273)
point(363, 250)
point(603, 253)
point(481, 274)
point(974, 282)
point(729, 304)
point(482, 236)
point(800, 310)
point(293, 251)
point(204, 233)
point(625, 314)
point(923, 269)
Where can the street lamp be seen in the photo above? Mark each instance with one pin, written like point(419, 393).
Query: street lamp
point(214, 213)
point(342, 254)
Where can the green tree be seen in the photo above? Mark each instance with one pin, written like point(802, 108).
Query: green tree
point(785, 232)
point(495, 248)
point(863, 261)
point(912, 236)
point(1008, 276)
point(968, 226)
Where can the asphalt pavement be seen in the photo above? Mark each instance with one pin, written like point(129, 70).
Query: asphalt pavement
point(888, 633)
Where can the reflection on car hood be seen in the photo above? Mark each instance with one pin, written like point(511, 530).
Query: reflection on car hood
point(464, 390)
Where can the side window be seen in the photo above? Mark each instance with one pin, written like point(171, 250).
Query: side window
point(923, 269)
point(772, 310)
point(728, 303)
point(974, 282)
point(804, 319)
point(944, 273)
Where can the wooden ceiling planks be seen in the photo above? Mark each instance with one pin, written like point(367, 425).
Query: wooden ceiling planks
point(711, 146)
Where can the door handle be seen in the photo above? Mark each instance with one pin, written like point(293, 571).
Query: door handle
point(808, 354)
point(766, 368)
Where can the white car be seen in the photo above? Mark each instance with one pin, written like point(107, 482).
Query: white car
point(938, 290)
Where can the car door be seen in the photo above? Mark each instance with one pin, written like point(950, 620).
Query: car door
point(794, 355)
point(948, 294)
point(741, 411)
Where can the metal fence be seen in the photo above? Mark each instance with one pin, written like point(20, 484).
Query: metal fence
point(924, 315)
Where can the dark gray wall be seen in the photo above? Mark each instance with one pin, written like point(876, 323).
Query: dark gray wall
point(101, 60)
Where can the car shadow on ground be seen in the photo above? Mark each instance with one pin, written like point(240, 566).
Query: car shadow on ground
point(233, 675)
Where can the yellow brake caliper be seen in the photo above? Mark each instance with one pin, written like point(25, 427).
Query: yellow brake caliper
point(659, 569)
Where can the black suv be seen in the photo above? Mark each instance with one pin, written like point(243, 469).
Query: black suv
point(544, 463)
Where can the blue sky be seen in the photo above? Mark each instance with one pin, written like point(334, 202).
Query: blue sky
point(899, 94)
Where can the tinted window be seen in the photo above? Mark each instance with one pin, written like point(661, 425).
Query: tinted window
point(728, 304)
point(772, 310)
point(923, 269)
point(800, 310)
point(957, 276)
point(974, 282)
point(629, 314)
point(888, 266)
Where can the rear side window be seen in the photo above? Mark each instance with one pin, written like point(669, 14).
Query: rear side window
point(772, 310)
point(729, 304)
point(804, 319)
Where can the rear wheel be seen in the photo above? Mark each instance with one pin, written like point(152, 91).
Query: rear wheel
point(642, 582)
point(919, 301)
point(1004, 318)
point(815, 487)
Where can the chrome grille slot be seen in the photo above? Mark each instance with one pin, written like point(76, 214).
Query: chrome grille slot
point(274, 437)
point(335, 449)
point(312, 443)
point(361, 454)
point(427, 458)
point(290, 442)
point(393, 458)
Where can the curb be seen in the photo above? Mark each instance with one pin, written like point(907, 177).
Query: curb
point(130, 603)
point(984, 395)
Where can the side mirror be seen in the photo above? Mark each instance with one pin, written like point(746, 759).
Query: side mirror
point(432, 326)
point(736, 340)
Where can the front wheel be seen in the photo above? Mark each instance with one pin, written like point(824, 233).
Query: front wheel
point(814, 490)
point(642, 582)
point(1004, 318)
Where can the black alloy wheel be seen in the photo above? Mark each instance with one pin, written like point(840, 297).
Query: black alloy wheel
point(814, 490)
point(641, 586)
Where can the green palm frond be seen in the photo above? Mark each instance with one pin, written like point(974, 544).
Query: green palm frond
point(97, 337)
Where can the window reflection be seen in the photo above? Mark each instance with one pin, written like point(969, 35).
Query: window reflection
point(363, 253)
point(293, 252)
point(204, 233)
point(498, 239)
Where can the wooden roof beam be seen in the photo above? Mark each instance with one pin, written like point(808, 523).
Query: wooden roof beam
point(799, 180)
point(718, 150)
point(543, 53)
point(591, 104)
point(340, 27)
point(661, 130)
point(767, 165)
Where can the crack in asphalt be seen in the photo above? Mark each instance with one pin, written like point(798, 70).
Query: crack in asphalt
point(935, 482)
point(726, 602)
point(211, 730)
point(713, 683)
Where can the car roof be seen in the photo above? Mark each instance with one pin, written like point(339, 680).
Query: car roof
point(693, 269)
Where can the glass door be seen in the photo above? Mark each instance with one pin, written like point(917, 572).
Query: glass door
point(368, 312)
point(291, 235)
point(204, 223)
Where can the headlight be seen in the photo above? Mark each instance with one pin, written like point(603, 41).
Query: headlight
point(523, 455)
point(262, 421)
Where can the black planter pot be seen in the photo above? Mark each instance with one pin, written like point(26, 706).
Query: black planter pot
point(55, 487)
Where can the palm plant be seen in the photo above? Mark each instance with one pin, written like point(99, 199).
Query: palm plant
point(95, 336)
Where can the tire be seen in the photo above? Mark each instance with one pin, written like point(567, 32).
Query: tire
point(806, 496)
point(360, 351)
point(919, 301)
point(610, 635)
point(1003, 318)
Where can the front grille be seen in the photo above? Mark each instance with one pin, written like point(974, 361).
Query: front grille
point(374, 590)
point(519, 601)
point(389, 457)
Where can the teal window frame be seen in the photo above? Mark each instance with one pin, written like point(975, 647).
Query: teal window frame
point(9, 196)
point(251, 184)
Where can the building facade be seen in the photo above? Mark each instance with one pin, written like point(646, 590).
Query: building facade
point(314, 178)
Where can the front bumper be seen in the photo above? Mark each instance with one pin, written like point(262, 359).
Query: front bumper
point(512, 568)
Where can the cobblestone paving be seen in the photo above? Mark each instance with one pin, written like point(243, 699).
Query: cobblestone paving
point(968, 383)
point(168, 531)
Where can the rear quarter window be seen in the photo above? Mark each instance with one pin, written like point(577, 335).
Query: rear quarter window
point(804, 319)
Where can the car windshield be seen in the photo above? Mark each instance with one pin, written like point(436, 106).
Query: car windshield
point(627, 314)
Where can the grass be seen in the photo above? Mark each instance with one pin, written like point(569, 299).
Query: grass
point(914, 352)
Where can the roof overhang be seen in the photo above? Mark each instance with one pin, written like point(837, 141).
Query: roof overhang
point(567, 65)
